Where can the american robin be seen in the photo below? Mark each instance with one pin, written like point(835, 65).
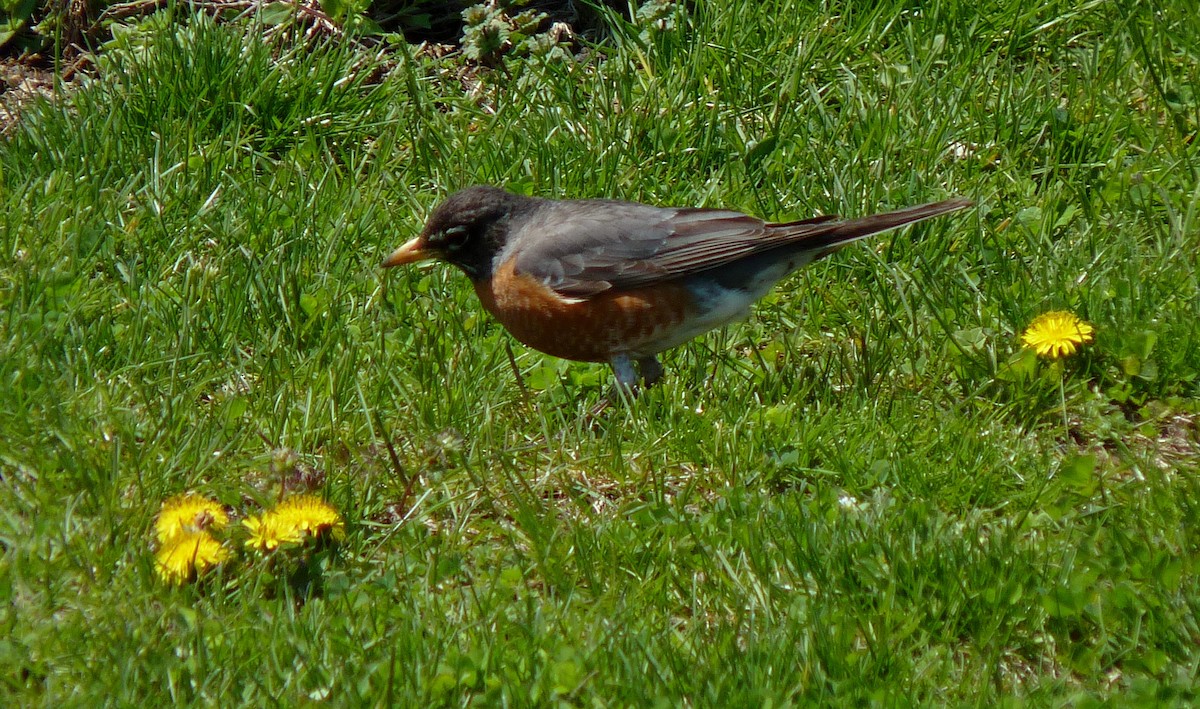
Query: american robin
point(608, 281)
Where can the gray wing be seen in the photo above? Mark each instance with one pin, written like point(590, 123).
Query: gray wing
point(587, 247)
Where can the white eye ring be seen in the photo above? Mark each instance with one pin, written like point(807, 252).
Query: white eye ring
point(455, 237)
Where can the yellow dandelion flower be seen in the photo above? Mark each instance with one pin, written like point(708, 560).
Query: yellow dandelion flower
point(292, 520)
point(188, 513)
point(1057, 334)
point(188, 554)
point(269, 531)
point(311, 515)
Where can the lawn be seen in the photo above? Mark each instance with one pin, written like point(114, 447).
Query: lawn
point(870, 492)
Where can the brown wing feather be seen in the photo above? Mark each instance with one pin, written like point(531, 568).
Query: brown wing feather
point(601, 245)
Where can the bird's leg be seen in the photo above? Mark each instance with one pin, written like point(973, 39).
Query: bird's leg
point(651, 369)
point(627, 376)
point(625, 388)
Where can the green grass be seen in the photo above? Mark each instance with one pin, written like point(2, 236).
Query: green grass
point(866, 493)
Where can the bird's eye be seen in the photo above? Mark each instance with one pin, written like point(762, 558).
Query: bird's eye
point(455, 237)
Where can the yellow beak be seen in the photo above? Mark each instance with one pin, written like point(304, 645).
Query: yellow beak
point(411, 252)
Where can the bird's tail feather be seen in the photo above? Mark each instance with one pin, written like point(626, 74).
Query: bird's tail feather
point(850, 230)
point(827, 234)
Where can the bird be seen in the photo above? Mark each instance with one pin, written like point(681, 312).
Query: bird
point(601, 280)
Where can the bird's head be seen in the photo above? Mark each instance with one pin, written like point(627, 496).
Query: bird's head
point(466, 230)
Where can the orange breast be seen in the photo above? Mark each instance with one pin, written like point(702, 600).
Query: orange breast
point(591, 329)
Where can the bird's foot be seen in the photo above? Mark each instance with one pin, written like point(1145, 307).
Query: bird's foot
point(631, 379)
point(651, 369)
